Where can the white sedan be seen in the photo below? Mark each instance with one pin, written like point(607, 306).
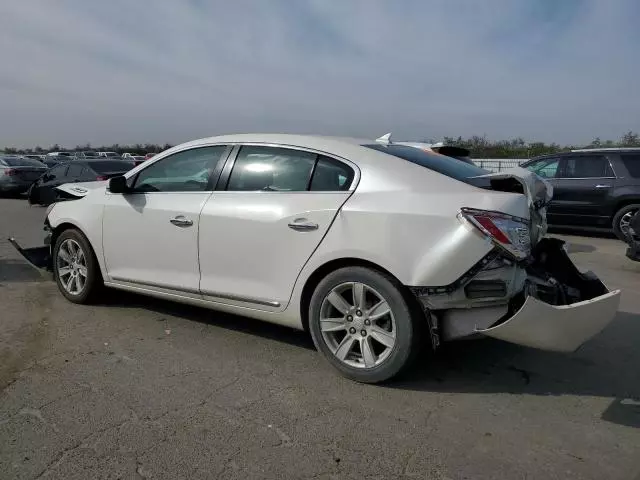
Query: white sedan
point(372, 247)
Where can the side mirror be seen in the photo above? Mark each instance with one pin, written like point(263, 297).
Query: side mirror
point(118, 185)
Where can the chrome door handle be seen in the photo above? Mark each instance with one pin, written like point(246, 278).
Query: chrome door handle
point(302, 225)
point(181, 221)
point(603, 186)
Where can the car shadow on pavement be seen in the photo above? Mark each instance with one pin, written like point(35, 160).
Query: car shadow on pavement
point(606, 366)
point(12, 270)
point(215, 318)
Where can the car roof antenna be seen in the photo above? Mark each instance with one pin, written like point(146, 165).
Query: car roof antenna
point(385, 139)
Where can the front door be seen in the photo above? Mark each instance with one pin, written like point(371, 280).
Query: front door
point(257, 234)
point(150, 235)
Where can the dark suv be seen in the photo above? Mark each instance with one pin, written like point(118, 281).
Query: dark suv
point(592, 188)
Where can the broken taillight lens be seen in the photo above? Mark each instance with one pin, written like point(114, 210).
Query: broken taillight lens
point(509, 232)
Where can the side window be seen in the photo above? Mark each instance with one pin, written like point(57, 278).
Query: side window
point(272, 169)
point(587, 166)
point(186, 171)
point(331, 176)
point(632, 163)
point(546, 168)
point(75, 170)
point(56, 173)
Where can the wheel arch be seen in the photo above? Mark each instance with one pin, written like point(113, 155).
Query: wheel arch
point(325, 269)
point(68, 225)
point(620, 204)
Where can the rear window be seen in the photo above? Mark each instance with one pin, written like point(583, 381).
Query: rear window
point(21, 162)
point(449, 166)
point(632, 163)
point(107, 166)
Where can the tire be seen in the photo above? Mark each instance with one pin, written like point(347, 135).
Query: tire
point(348, 334)
point(623, 216)
point(63, 254)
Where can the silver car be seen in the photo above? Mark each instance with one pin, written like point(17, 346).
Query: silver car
point(17, 174)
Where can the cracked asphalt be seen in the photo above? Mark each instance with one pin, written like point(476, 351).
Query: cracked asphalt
point(140, 388)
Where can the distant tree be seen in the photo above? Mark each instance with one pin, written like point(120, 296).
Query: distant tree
point(630, 139)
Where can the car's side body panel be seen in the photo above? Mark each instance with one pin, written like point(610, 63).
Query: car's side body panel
point(253, 244)
point(142, 245)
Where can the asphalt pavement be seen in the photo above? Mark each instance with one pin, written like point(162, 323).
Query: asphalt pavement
point(141, 388)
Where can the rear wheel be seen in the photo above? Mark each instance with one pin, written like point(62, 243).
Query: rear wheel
point(622, 219)
point(362, 323)
point(75, 267)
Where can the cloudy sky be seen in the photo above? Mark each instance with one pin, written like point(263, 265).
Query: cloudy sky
point(77, 71)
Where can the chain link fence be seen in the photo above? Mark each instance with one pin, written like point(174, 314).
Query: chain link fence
point(498, 164)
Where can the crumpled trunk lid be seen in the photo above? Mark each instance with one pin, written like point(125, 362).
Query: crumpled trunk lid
point(538, 191)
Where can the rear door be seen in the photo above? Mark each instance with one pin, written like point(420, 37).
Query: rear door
point(262, 225)
point(582, 190)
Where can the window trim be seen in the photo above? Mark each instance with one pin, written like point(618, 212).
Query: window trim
point(563, 168)
point(132, 176)
point(223, 180)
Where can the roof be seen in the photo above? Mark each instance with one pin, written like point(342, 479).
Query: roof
point(608, 149)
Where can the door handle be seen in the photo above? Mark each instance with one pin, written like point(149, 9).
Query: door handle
point(603, 186)
point(302, 225)
point(181, 221)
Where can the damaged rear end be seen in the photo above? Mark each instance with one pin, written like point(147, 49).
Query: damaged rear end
point(526, 290)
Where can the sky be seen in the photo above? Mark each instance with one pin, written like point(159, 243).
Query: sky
point(124, 71)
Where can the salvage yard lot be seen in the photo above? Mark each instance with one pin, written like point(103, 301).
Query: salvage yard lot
point(140, 388)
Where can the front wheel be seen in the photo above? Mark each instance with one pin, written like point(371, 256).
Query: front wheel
point(75, 267)
point(363, 324)
point(622, 219)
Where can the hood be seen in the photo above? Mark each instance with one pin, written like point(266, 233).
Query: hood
point(538, 191)
point(79, 190)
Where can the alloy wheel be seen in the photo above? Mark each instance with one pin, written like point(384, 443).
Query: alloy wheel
point(71, 266)
point(357, 325)
point(625, 220)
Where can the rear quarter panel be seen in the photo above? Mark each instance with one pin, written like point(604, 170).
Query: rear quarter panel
point(407, 224)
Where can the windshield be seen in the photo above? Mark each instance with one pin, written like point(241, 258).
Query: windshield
point(449, 166)
point(106, 166)
point(64, 154)
point(110, 154)
point(90, 154)
point(21, 162)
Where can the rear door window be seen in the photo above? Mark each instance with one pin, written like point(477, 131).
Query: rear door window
point(331, 176)
point(75, 170)
point(271, 169)
point(586, 166)
point(631, 162)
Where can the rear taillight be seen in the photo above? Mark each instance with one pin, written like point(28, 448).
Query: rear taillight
point(10, 172)
point(101, 178)
point(509, 232)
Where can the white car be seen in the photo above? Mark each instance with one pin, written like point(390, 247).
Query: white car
point(108, 154)
point(374, 248)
